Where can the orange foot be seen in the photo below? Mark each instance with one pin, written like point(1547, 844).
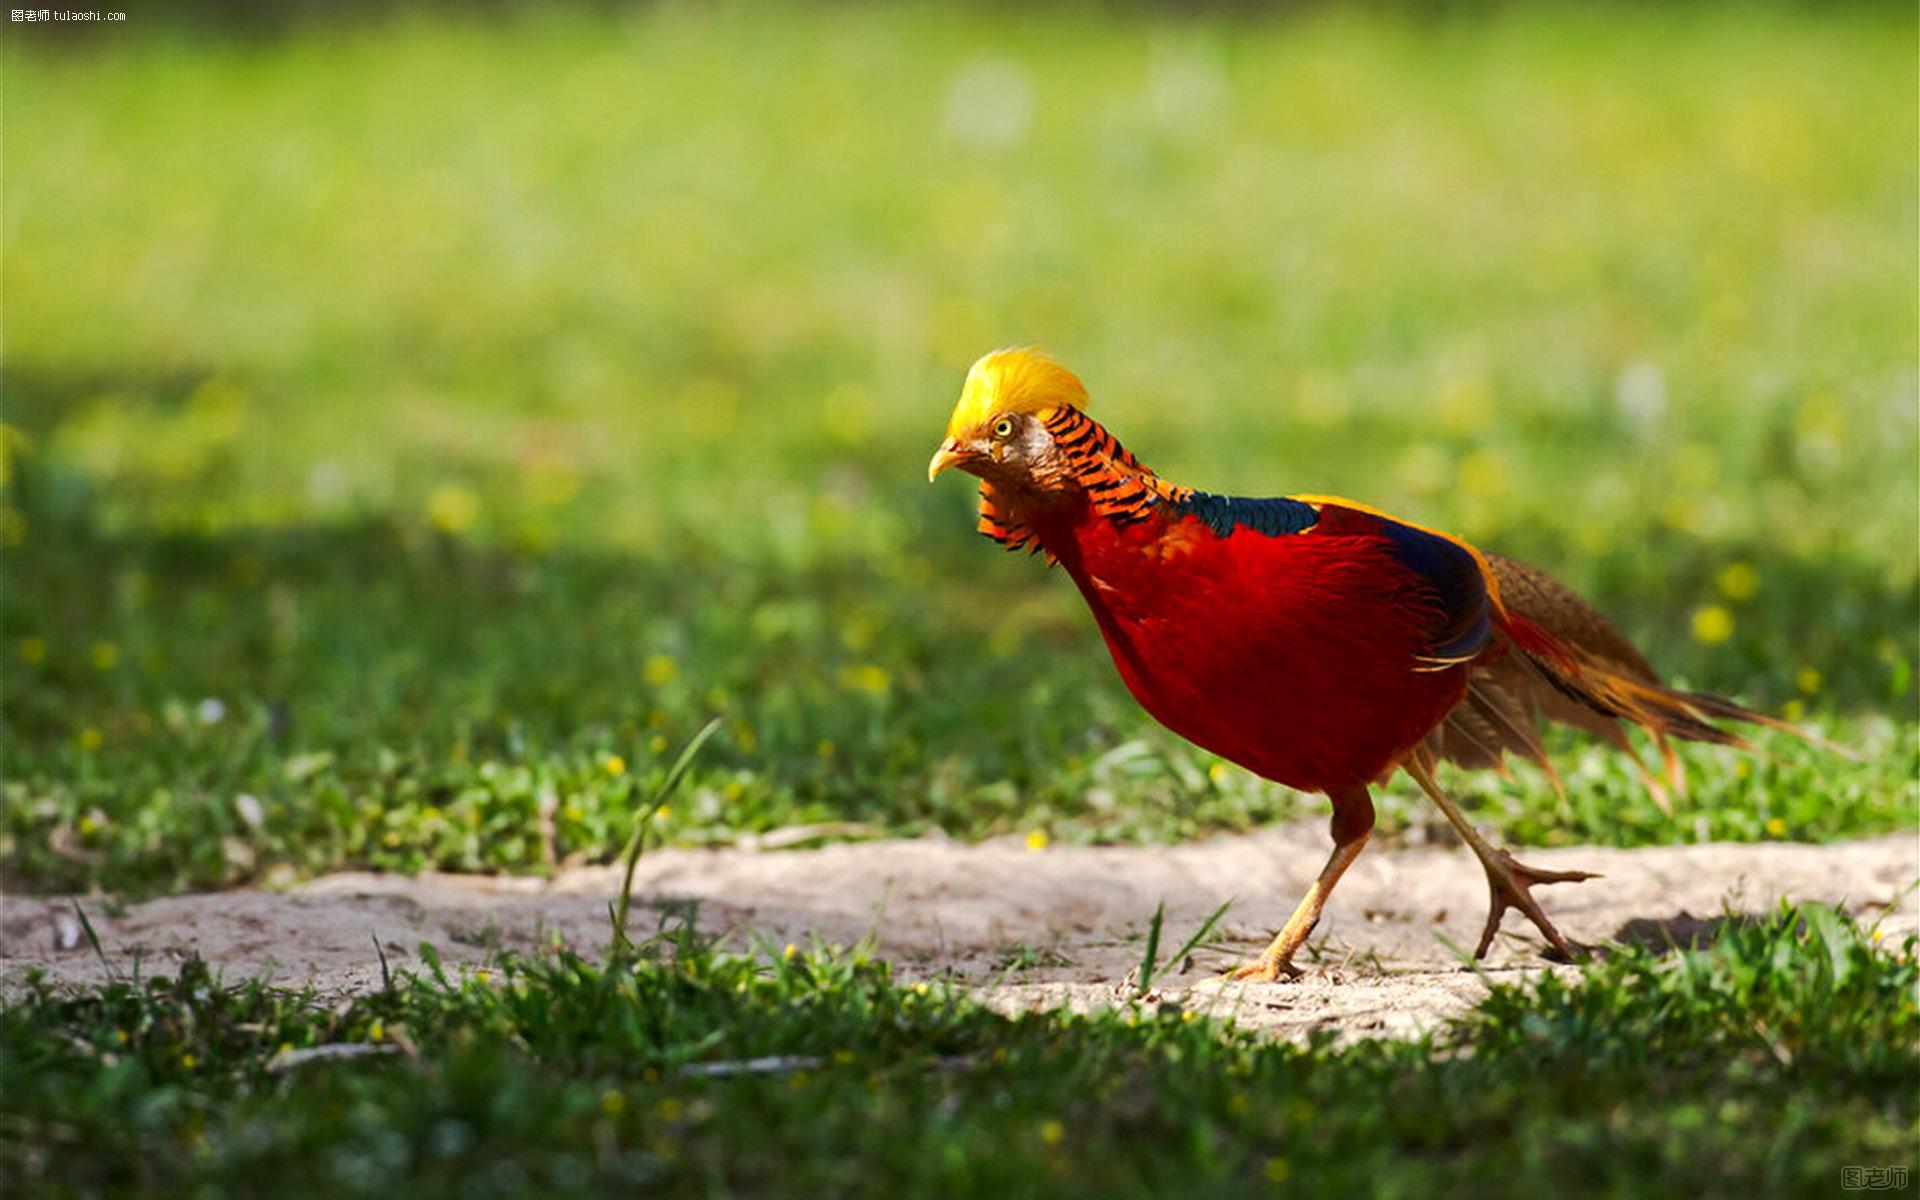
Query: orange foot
point(1264, 970)
point(1510, 884)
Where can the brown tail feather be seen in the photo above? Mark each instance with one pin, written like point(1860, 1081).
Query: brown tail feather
point(1652, 706)
point(1722, 709)
point(1568, 663)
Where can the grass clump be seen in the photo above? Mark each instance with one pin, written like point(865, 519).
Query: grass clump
point(424, 556)
point(1759, 1065)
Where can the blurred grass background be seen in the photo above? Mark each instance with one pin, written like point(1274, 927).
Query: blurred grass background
point(415, 424)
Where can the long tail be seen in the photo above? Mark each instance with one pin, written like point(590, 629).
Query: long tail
point(1566, 661)
point(1592, 682)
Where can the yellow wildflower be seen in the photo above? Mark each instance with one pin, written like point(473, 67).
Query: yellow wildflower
point(90, 738)
point(1051, 1132)
point(661, 669)
point(612, 1102)
point(1808, 680)
point(865, 677)
point(1776, 827)
point(614, 765)
point(1037, 840)
point(1712, 624)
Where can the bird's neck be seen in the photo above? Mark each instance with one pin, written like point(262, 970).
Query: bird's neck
point(1099, 483)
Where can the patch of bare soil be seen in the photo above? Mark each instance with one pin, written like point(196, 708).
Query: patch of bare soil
point(1027, 929)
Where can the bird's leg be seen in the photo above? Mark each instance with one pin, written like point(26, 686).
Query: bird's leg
point(1352, 822)
point(1509, 881)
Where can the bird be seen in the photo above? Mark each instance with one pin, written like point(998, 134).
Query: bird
point(1315, 641)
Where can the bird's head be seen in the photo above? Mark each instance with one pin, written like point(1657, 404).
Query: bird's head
point(998, 430)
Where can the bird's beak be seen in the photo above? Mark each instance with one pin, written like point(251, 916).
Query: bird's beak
point(946, 456)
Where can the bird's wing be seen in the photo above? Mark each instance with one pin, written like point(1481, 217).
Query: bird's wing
point(1453, 570)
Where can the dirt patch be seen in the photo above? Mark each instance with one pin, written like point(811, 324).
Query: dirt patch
point(1028, 929)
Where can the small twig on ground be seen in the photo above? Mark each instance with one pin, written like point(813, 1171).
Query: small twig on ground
point(772, 1064)
point(776, 1064)
point(795, 835)
point(287, 1060)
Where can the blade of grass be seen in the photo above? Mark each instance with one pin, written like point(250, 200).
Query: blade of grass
point(93, 939)
point(1150, 965)
point(1148, 960)
point(1201, 934)
point(637, 842)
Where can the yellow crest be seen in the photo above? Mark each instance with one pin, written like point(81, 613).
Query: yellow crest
point(1021, 380)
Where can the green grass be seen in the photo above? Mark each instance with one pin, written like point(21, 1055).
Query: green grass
point(1758, 1066)
point(415, 427)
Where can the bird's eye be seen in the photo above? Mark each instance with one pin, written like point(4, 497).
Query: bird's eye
point(1003, 428)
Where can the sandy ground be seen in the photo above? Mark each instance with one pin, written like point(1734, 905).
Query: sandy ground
point(1028, 929)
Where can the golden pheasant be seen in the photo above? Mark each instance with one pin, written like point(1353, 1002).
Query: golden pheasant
point(1315, 641)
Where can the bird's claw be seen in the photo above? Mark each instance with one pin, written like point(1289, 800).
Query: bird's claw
point(1510, 883)
point(1263, 970)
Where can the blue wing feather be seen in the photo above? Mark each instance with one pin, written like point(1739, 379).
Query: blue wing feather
point(1455, 575)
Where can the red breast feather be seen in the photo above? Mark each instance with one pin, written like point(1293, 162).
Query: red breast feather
point(1296, 656)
